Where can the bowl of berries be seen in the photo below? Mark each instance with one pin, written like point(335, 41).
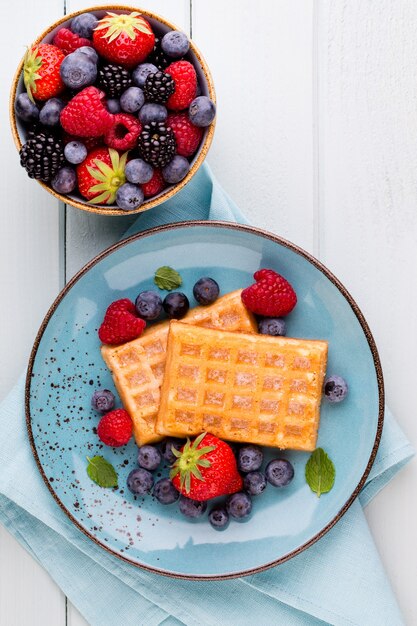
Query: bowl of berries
point(112, 110)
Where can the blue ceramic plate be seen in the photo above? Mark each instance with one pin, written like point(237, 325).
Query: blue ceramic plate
point(66, 367)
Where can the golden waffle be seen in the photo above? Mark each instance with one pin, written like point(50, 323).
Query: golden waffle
point(138, 366)
point(248, 388)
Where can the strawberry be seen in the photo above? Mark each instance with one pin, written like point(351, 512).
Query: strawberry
point(205, 468)
point(185, 79)
point(154, 186)
point(101, 174)
point(41, 71)
point(68, 41)
point(126, 39)
point(115, 428)
point(187, 136)
point(120, 323)
point(124, 133)
point(85, 114)
point(271, 295)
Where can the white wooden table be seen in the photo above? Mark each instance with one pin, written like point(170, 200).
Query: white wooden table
point(317, 141)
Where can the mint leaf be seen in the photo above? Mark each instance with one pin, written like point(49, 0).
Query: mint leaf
point(167, 278)
point(101, 472)
point(320, 472)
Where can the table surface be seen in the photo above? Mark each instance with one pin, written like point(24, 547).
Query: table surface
point(316, 140)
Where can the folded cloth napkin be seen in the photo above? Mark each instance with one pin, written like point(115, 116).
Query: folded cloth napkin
point(339, 580)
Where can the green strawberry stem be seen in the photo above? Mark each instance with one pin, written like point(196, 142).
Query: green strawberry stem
point(32, 65)
point(189, 461)
point(109, 179)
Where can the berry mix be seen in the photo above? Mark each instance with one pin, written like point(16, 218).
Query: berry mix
point(207, 467)
point(111, 110)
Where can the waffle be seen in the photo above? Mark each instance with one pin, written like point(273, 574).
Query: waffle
point(138, 366)
point(240, 387)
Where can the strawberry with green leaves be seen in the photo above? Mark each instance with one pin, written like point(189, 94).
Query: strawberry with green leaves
point(101, 174)
point(41, 71)
point(205, 468)
point(126, 39)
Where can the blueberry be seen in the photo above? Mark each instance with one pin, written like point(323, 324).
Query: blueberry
point(78, 70)
point(165, 492)
point(65, 180)
point(254, 483)
point(75, 152)
point(239, 505)
point(141, 73)
point(140, 481)
point(89, 52)
point(335, 388)
point(138, 171)
point(192, 508)
point(149, 457)
point(175, 44)
point(176, 170)
point(51, 111)
point(113, 105)
point(132, 99)
point(129, 197)
point(202, 111)
point(206, 290)
point(152, 112)
point(176, 305)
point(250, 458)
point(279, 472)
point(84, 24)
point(218, 517)
point(103, 400)
point(166, 448)
point(25, 108)
point(148, 305)
point(272, 326)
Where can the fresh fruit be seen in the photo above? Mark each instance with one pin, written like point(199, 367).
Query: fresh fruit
point(103, 400)
point(151, 112)
point(120, 323)
point(88, 51)
point(113, 79)
point(279, 472)
point(124, 133)
point(115, 428)
point(219, 517)
point(206, 290)
point(65, 180)
point(101, 174)
point(271, 295)
point(254, 483)
point(335, 388)
point(205, 468)
point(202, 111)
point(187, 136)
point(155, 185)
point(84, 24)
point(158, 87)
point(51, 111)
point(192, 508)
point(149, 457)
point(126, 38)
point(113, 105)
point(176, 305)
point(25, 108)
point(132, 99)
point(165, 492)
point(75, 152)
point(78, 71)
point(41, 71)
point(274, 326)
point(239, 505)
point(250, 458)
point(176, 170)
point(175, 44)
point(148, 305)
point(158, 56)
point(89, 142)
point(139, 482)
point(138, 171)
point(129, 197)
point(42, 155)
point(141, 73)
point(68, 41)
point(166, 448)
point(185, 79)
point(85, 115)
point(156, 144)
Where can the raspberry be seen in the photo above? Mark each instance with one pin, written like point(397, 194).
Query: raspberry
point(115, 428)
point(68, 41)
point(124, 133)
point(154, 186)
point(271, 295)
point(187, 136)
point(185, 79)
point(120, 323)
point(85, 115)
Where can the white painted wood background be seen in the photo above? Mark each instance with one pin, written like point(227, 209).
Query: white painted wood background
point(317, 141)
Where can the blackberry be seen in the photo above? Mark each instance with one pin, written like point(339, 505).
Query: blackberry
point(156, 144)
point(158, 56)
point(158, 87)
point(113, 79)
point(42, 155)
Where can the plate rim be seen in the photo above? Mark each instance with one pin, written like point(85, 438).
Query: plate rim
point(276, 239)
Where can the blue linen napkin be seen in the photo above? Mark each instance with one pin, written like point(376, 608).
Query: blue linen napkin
point(339, 580)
